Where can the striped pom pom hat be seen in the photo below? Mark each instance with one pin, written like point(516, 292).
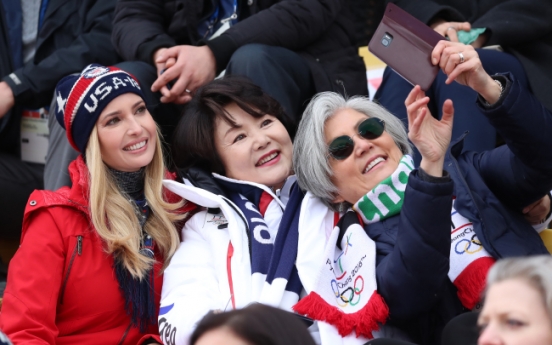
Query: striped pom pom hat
point(81, 98)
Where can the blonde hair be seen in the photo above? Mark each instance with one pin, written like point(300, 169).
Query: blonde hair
point(535, 270)
point(115, 219)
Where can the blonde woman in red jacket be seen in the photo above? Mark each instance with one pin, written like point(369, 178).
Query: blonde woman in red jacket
point(88, 269)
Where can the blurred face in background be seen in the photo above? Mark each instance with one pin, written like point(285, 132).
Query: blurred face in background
point(514, 313)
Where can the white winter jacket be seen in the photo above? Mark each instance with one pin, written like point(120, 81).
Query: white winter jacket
point(211, 270)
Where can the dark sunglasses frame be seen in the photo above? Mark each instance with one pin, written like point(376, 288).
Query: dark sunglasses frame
point(342, 147)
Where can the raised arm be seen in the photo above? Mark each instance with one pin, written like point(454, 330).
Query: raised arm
point(419, 258)
point(412, 276)
point(518, 173)
point(430, 136)
point(461, 63)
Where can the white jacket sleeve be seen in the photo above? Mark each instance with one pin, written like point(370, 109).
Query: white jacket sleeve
point(195, 282)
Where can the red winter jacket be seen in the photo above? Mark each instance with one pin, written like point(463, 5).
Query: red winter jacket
point(61, 285)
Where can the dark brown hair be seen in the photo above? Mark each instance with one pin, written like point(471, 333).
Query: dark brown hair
point(194, 137)
point(258, 324)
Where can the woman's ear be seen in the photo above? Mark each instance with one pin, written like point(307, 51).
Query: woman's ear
point(338, 199)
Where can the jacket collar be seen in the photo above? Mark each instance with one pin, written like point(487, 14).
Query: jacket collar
point(79, 192)
point(75, 196)
point(252, 191)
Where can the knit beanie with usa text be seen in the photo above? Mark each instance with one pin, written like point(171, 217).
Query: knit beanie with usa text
point(80, 99)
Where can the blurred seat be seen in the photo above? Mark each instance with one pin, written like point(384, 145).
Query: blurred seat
point(546, 236)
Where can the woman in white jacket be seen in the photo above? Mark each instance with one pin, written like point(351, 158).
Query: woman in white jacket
point(229, 256)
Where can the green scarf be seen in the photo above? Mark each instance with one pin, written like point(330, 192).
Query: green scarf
point(386, 199)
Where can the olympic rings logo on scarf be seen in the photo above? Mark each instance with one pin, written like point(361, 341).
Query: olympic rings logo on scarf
point(346, 296)
point(354, 290)
point(467, 246)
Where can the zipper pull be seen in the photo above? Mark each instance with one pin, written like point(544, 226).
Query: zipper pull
point(209, 28)
point(79, 245)
point(232, 17)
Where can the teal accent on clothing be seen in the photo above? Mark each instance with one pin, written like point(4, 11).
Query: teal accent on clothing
point(468, 37)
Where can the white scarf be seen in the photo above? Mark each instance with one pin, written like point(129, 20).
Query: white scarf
point(320, 263)
point(341, 283)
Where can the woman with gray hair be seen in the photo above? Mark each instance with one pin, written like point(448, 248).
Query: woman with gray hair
point(518, 303)
point(412, 246)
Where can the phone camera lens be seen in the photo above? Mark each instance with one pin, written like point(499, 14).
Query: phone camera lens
point(386, 39)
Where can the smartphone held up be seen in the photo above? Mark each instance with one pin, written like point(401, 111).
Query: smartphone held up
point(405, 44)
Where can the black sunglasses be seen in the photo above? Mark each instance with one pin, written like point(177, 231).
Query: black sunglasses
point(342, 147)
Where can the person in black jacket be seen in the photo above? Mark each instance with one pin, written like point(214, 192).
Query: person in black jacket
point(290, 48)
point(521, 28)
point(437, 229)
point(40, 43)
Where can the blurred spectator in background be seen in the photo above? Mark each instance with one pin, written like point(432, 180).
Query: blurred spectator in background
point(41, 41)
point(518, 303)
point(520, 35)
point(290, 48)
point(257, 324)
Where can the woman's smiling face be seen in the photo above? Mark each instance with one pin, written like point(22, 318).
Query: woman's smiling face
point(127, 133)
point(256, 149)
point(371, 161)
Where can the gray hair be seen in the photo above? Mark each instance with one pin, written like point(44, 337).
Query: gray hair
point(310, 151)
point(535, 270)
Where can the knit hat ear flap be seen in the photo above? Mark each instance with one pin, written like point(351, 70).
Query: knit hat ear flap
point(81, 99)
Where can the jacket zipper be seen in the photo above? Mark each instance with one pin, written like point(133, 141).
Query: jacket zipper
point(125, 334)
point(230, 252)
point(77, 250)
point(229, 255)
